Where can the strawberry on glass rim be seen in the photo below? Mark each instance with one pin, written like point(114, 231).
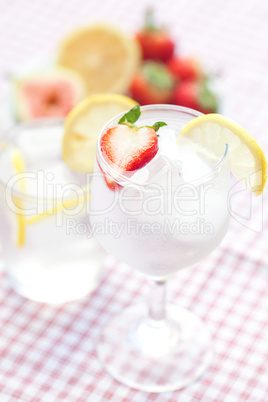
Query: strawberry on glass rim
point(127, 147)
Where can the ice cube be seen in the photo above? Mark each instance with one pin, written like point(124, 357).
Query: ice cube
point(165, 163)
point(164, 171)
point(157, 166)
point(167, 143)
point(140, 176)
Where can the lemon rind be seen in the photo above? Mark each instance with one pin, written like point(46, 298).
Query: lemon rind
point(246, 138)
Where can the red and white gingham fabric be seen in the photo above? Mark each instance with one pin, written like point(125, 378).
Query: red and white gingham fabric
point(48, 353)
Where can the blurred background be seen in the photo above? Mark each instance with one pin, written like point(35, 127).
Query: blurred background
point(229, 39)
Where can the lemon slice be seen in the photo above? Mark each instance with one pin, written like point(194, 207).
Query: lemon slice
point(247, 161)
point(62, 206)
point(83, 125)
point(18, 164)
point(105, 57)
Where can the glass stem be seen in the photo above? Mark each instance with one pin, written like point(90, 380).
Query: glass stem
point(157, 301)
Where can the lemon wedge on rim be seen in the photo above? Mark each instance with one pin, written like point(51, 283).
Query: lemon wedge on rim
point(83, 125)
point(103, 55)
point(212, 132)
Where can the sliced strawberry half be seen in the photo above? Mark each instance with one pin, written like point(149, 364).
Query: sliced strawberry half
point(127, 147)
point(111, 184)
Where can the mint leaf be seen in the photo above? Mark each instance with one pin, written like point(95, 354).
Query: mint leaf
point(207, 98)
point(157, 125)
point(131, 116)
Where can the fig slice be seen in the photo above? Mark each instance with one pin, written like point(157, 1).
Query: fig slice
point(51, 93)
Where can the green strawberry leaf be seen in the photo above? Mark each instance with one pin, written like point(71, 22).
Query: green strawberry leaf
point(207, 98)
point(150, 24)
point(157, 125)
point(158, 74)
point(131, 116)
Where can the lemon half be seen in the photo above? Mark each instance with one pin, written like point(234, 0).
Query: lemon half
point(104, 56)
point(83, 125)
point(247, 160)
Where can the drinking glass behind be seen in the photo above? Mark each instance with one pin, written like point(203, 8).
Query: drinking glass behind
point(49, 252)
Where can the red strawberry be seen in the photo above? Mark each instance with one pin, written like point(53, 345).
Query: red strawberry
point(127, 147)
point(152, 84)
point(112, 185)
point(195, 95)
point(185, 68)
point(155, 42)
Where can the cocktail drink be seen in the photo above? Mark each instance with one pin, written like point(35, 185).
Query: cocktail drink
point(49, 253)
point(160, 218)
point(173, 210)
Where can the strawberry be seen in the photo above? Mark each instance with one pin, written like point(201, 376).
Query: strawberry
point(111, 184)
point(195, 95)
point(128, 147)
point(185, 68)
point(152, 84)
point(155, 42)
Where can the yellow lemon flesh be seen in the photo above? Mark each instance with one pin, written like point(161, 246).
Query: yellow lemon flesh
point(210, 133)
point(104, 56)
point(18, 164)
point(83, 125)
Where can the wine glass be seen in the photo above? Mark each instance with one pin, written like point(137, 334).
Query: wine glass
point(168, 215)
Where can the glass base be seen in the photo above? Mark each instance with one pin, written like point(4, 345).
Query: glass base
point(155, 356)
point(55, 295)
point(56, 282)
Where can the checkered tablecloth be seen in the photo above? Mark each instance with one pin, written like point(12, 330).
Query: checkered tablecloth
point(48, 353)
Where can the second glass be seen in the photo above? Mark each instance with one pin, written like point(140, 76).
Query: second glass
point(49, 252)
